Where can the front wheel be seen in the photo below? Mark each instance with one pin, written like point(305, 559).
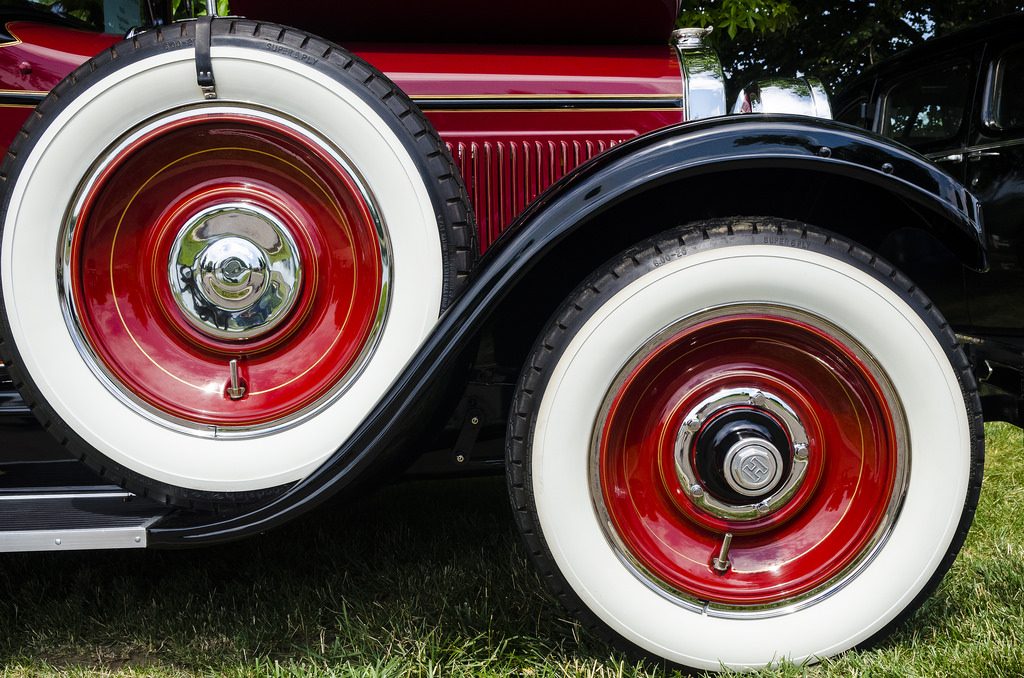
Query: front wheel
point(745, 442)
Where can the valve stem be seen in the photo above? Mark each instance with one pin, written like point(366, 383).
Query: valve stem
point(721, 563)
point(236, 391)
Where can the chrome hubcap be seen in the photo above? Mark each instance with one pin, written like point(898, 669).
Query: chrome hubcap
point(231, 273)
point(753, 467)
point(235, 272)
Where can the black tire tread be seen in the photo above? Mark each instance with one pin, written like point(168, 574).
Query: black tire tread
point(631, 265)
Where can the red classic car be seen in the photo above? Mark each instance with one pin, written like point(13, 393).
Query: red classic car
point(244, 268)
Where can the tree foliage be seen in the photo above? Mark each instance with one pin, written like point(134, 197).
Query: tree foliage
point(741, 16)
point(831, 39)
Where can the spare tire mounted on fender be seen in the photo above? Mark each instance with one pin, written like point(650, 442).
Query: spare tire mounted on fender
point(238, 279)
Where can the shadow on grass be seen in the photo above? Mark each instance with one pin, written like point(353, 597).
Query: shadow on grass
point(427, 578)
point(428, 573)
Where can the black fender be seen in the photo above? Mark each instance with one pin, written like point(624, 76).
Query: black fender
point(766, 143)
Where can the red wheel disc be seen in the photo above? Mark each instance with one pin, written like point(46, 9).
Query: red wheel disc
point(830, 522)
point(122, 239)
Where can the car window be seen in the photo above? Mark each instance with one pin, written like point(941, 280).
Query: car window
point(928, 106)
point(851, 115)
point(1006, 102)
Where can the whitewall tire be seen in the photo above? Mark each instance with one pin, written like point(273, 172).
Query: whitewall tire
point(239, 279)
point(758, 379)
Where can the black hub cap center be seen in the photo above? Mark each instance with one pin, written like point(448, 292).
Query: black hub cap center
point(749, 446)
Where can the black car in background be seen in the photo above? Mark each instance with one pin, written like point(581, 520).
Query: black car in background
point(959, 100)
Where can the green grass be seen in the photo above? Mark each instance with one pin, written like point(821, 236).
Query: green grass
point(426, 579)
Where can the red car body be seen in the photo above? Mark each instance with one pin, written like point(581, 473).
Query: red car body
point(516, 118)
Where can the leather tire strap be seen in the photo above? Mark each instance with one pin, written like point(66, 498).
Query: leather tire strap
point(204, 64)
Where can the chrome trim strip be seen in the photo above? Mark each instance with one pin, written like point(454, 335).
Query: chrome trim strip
point(961, 154)
point(994, 87)
point(12, 405)
point(562, 96)
point(124, 536)
point(68, 495)
point(74, 540)
point(474, 102)
point(486, 103)
point(995, 145)
point(819, 95)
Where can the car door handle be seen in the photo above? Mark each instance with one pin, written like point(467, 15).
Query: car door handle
point(952, 157)
point(978, 155)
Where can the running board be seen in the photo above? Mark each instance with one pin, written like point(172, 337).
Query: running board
point(67, 521)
